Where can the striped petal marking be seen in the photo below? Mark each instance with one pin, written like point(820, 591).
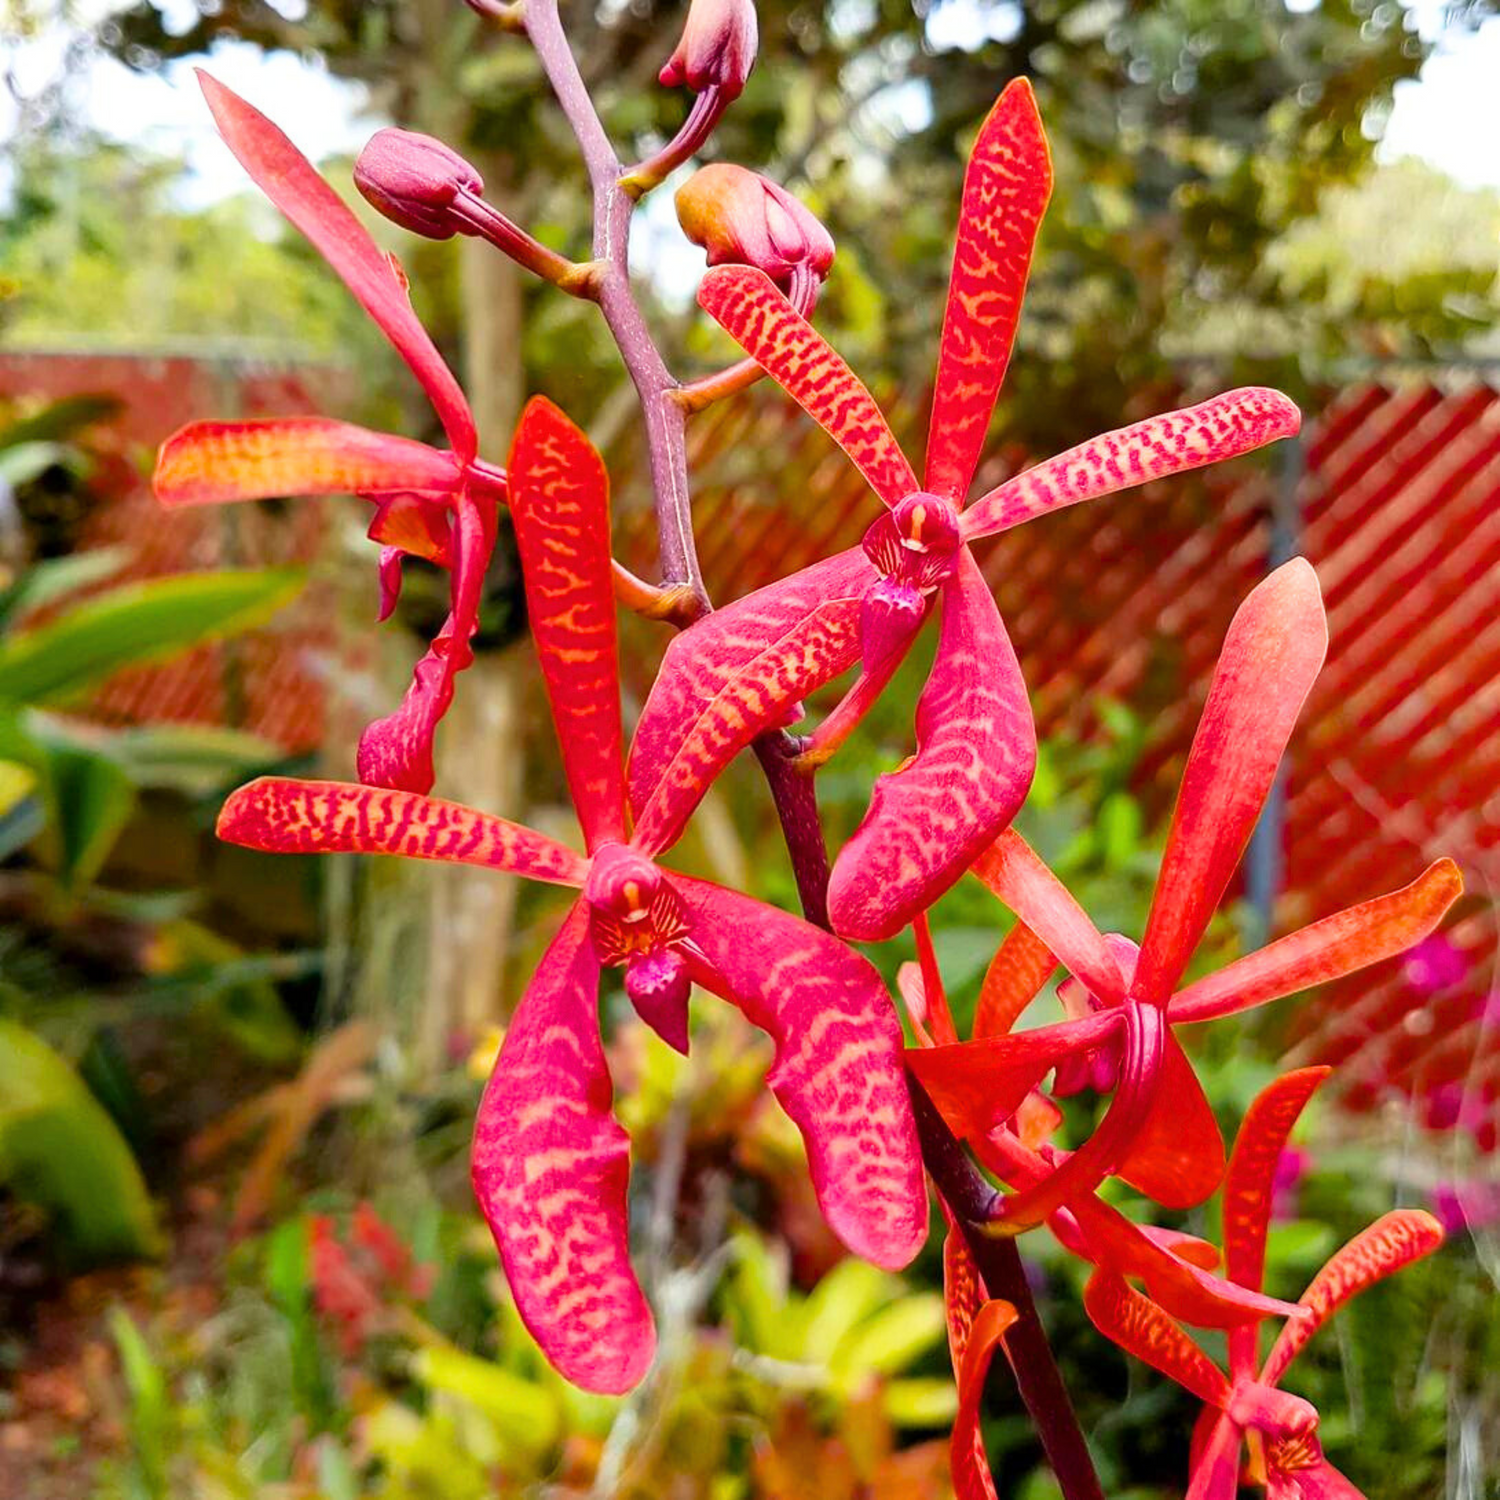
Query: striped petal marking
point(976, 752)
point(838, 1071)
point(1006, 187)
point(550, 1167)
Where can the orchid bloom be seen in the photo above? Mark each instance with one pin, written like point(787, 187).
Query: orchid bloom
point(429, 503)
point(741, 670)
point(1159, 1133)
point(550, 1163)
point(1282, 1429)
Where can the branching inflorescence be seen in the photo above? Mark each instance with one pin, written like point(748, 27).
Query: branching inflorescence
point(550, 1163)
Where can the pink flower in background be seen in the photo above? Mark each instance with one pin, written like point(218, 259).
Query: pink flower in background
point(1286, 1183)
point(1462, 1206)
point(1436, 964)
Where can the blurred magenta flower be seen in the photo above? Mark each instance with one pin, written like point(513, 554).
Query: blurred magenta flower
point(1437, 963)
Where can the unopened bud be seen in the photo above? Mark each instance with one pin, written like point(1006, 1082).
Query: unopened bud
point(742, 218)
point(413, 179)
point(717, 48)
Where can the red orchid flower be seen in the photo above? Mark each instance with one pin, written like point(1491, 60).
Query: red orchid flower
point(1282, 1429)
point(739, 672)
point(550, 1162)
point(1175, 1267)
point(1159, 1133)
point(428, 503)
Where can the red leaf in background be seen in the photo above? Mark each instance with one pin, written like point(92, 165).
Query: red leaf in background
point(838, 1071)
point(550, 1166)
point(976, 752)
point(559, 501)
point(1006, 187)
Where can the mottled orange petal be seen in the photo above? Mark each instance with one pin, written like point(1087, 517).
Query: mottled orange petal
point(972, 1479)
point(559, 502)
point(1341, 944)
point(1006, 187)
point(1022, 964)
point(550, 1166)
point(210, 463)
point(1217, 429)
point(838, 1072)
point(1391, 1242)
point(733, 675)
point(745, 302)
point(1141, 1328)
point(976, 752)
point(285, 815)
point(1271, 656)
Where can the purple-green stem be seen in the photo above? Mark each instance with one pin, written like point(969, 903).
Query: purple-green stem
point(971, 1199)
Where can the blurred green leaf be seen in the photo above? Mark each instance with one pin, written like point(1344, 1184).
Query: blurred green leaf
point(150, 1404)
point(894, 1336)
point(61, 1151)
point(59, 419)
point(138, 623)
point(56, 577)
point(22, 462)
point(526, 1416)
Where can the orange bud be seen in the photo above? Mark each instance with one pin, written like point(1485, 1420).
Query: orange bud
point(742, 218)
point(717, 48)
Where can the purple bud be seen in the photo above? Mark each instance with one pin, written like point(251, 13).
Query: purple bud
point(741, 218)
point(658, 986)
point(412, 179)
point(717, 48)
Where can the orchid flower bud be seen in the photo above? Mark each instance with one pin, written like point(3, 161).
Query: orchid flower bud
point(716, 50)
point(742, 218)
point(413, 179)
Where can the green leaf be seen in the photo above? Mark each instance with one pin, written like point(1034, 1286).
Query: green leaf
point(57, 577)
point(526, 1416)
point(138, 623)
point(198, 760)
point(20, 463)
point(91, 802)
point(60, 419)
point(923, 1402)
point(150, 1403)
point(893, 1337)
point(62, 1152)
point(837, 1305)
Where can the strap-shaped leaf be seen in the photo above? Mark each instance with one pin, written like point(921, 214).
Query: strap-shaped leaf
point(285, 815)
point(733, 675)
point(397, 751)
point(1394, 1240)
point(1271, 656)
point(559, 501)
point(976, 752)
point(209, 463)
point(1341, 944)
point(746, 303)
point(550, 1166)
point(290, 181)
point(1022, 964)
point(1006, 187)
point(1014, 872)
point(1141, 1328)
point(1174, 442)
point(838, 1071)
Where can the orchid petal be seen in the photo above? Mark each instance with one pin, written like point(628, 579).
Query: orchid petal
point(559, 502)
point(1037, 1119)
point(1394, 1240)
point(289, 180)
point(396, 751)
point(1216, 1466)
point(1249, 1181)
point(1006, 187)
point(1272, 654)
point(1341, 944)
point(1319, 1481)
point(972, 1479)
point(745, 302)
point(1012, 870)
point(415, 526)
point(963, 1293)
point(550, 1167)
point(1022, 964)
point(1141, 1328)
point(976, 752)
point(1177, 1156)
point(210, 463)
point(1174, 442)
point(733, 675)
point(838, 1072)
point(980, 1084)
point(285, 815)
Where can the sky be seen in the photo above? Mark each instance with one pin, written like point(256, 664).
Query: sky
point(1450, 117)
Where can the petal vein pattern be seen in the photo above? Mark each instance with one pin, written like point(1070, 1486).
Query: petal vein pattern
point(1006, 187)
point(735, 674)
point(284, 815)
point(550, 1168)
point(976, 752)
point(838, 1071)
point(746, 303)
